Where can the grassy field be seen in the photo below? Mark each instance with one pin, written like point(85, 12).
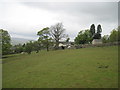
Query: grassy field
point(77, 68)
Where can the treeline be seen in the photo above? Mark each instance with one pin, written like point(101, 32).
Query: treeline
point(49, 38)
point(113, 37)
point(27, 47)
point(87, 36)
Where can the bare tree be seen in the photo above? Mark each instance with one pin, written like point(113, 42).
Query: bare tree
point(57, 32)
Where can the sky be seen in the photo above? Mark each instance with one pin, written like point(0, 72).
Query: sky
point(23, 19)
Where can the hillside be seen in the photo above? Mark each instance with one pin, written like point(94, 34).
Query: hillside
point(16, 41)
point(76, 68)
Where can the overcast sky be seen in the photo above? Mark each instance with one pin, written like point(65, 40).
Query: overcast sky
point(24, 19)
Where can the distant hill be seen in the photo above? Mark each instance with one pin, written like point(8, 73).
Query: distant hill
point(16, 41)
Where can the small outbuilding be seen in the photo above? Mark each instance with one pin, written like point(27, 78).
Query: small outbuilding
point(97, 41)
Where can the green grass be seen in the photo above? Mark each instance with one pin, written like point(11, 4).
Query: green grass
point(77, 68)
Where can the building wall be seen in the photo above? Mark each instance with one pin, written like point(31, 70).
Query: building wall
point(97, 41)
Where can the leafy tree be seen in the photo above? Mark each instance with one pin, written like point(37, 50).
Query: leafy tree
point(92, 29)
point(57, 32)
point(5, 41)
point(29, 47)
point(105, 39)
point(36, 46)
point(18, 48)
point(99, 29)
point(23, 46)
point(98, 34)
point(67, 40)
point(44, 37)
point(83, 37)
point(114, 36)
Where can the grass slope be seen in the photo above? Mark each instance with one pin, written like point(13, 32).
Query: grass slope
point(63, 69)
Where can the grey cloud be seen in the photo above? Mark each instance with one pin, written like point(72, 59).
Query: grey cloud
point(76, 16)
point(103, 11)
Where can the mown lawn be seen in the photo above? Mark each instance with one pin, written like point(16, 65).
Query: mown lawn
point(77, 68)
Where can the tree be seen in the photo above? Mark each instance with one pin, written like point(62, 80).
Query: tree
point(105, 39)
point(44, 37)
point(92, 29)
point(29, 47)
point(99, 29)
point(23, 46)
point(5, 41)
point(36, 46)
point(57, 32)
point(98, 34)
point(18, 48)
point(114, 36)
point(67, 40)
point(83, 37)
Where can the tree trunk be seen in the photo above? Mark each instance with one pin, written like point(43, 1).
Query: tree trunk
point(57, 45)
point(47, 46)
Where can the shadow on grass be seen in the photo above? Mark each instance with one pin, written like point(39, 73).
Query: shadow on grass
point(5, 58)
